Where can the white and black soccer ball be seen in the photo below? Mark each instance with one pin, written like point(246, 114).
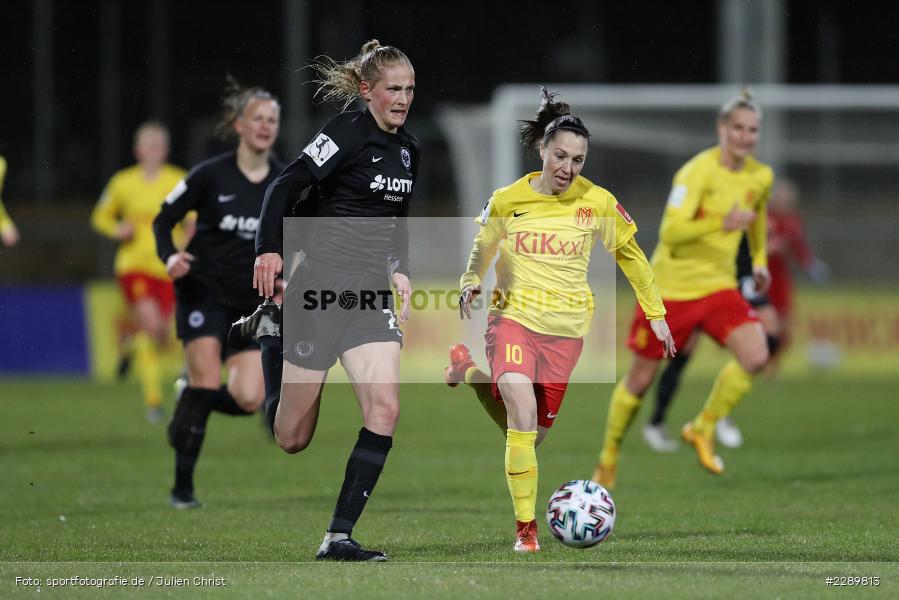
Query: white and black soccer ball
point(580, 513)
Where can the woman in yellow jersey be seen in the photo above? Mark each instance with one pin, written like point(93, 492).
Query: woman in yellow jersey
point(125, 214)
point(720, 193)
point(544, 227)
point(9, 235)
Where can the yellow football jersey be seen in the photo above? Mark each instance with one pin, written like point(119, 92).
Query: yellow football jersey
point(130, 197)
point(695, 257)
point(544, 244)
point(5, 220)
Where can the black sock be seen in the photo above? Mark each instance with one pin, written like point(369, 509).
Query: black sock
point(668, 384)
point(773, 344)
point(227, 405)
point(272, 356)
point(362, 472)
point(186, 433)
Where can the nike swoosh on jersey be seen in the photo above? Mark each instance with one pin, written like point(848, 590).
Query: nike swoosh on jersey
point(226, 197)
point(551, 415)
point(375, 159)
point(519, 214)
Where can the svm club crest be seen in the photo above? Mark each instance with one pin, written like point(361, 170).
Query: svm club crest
point(583, 217)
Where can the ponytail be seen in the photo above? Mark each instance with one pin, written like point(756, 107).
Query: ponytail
point(742, 100)
point(234, 101)
point(551, 117)
point(340, 80)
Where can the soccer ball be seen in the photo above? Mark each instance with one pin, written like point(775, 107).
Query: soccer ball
point(580, 513)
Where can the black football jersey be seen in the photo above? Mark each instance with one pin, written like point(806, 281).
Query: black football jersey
point(227, 206)
point(362, 182)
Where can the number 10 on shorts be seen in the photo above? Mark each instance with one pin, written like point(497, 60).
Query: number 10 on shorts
point(513, 354)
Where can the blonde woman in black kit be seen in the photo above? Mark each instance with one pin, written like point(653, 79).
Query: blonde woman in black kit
point(363, 163)
point(212, 282)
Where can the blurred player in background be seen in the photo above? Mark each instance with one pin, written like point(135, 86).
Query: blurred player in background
point(726, 430)
point(343, 166)
point(543, 305)
point(125, 214)
point(788, 244)
point(9, 235)
point(212, 279)
point(717, 195)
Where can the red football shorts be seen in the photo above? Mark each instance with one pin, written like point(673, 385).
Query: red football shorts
point(137, 286)
point(547, 360)
point(717, 314)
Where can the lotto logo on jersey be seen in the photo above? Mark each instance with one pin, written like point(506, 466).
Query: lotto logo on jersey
point(527, 242)
point(321, 149)
point(242, 225)
point(391, 183)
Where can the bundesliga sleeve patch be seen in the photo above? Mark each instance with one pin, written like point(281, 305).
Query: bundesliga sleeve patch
point(321, 149)
point(180, 188)
point(623, 213)
point(485, 213)
point(677, 195)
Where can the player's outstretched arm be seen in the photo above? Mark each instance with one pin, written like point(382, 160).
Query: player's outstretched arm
point(9, 234)
point(485, 246)
point(184, 198)
point(106, 216)
point(800, 249)
point(279, 198)
point(469, 293)
point(177, 265)
point(404, 290)
point(757, 236)
point(265, 271)
point(279, 195)
point(663, 334)
point(636, 268)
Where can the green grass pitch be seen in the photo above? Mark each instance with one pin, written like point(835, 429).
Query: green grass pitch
point(812, 494)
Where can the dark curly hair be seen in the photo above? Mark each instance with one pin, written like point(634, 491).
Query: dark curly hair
point(551, 117)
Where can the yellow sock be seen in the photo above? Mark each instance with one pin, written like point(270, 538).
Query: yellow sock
point(474, 375)
point(480, 382)
point(622, 409)
point(146, 362)
point(521, 472)
point(731, 385)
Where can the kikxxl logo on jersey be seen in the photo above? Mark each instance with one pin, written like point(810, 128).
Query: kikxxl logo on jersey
point(528, 242)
